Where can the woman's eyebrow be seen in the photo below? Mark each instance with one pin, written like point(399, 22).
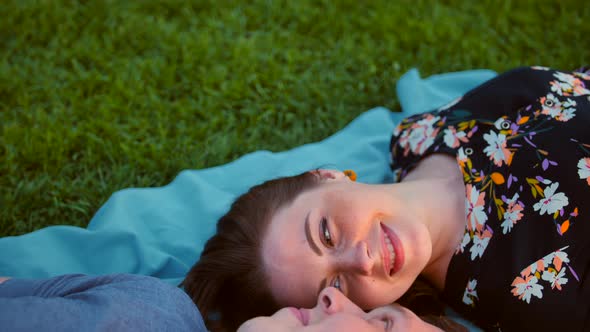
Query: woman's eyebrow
point(310, 240)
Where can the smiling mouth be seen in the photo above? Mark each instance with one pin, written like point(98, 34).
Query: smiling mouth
point(392, 251)
point(389, 247)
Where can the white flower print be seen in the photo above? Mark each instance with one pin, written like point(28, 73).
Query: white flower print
point(480, 243)
point(496, 148)
point(556, 258)
point(403, 140)
point(461, 156)
point(429, 121)
point(420, 140)
point(549, 268)
point(568, 85)
point(584, 169)
point(419, 136)
point(525, 288)
point(474, 208)
point(582, 75)
point(500, 122)
point(561, 111)
point(538, 265)
point(550, 105)
point(422, 134)
point(555, 279)
point(470, 293)
point(552, 202)
point(452, 137)
point(512, 215)
point(566, 115)
point(463, 244)
point(506, 224)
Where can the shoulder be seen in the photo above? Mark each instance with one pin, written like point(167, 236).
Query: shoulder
point(140, 302)
point(113, 302)
point(142, 289)
point(151, 303)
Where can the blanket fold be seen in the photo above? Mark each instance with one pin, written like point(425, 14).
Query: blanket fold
point(161, 231)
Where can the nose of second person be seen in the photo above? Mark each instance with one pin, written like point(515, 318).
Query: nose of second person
point(331, 301)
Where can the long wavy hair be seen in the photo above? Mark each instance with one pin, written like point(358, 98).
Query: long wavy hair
point(228, 283)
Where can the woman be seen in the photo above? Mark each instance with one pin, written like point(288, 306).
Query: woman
point(490, 208)
point(334, 312)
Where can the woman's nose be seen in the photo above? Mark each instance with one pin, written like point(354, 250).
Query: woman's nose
point(357, 259)
point(331, 301)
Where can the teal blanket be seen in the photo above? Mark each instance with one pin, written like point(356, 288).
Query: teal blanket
point(161, 231)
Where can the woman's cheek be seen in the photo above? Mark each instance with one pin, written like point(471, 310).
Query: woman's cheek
point(372, 293)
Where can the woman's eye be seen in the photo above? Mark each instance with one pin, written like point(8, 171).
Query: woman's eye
point(383, 323)
point(386, 323)
point(336, 283)
point(326, 233)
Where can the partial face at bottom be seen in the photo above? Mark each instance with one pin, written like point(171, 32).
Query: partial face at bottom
point(334, 312)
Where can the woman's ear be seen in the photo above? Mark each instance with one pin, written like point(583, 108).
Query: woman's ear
point(330, 175)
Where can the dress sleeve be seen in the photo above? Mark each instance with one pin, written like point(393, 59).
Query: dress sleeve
point(508, 92)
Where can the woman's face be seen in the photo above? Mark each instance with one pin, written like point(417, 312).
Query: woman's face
point(334, 312)
point(364, 239)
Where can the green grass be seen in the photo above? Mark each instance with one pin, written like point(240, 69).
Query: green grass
point(96, 96)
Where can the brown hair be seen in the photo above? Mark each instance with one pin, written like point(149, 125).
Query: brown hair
point(228, 283)
point(424, 300)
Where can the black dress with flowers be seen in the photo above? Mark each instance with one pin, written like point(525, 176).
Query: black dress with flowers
point(522, 141)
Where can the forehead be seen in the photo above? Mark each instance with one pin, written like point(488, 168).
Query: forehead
point(286, 253)
point(294, 270)
point(321, 196)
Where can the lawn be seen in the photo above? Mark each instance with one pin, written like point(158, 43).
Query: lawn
point(96, 96)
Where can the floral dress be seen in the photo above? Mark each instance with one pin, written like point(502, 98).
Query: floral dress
point(522, 142)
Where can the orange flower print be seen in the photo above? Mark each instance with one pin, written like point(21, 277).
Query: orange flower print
point(584, 169)
point(551, 269)
point(527, 287)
